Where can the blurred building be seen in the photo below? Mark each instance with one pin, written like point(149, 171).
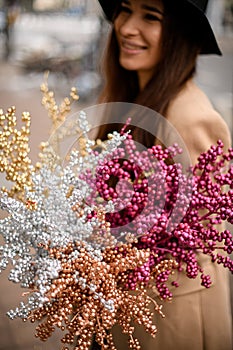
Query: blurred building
point(220, 14)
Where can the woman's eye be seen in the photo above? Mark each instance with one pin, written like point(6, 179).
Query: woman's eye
point(124, 8)
point(151, 17)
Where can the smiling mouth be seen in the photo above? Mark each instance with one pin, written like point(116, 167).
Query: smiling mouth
point(131, 47)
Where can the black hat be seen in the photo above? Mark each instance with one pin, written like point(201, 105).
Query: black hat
point(196, 7)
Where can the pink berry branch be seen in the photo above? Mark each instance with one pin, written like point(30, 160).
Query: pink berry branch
point(196, 233)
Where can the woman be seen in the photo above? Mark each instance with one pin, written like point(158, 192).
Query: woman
point(153, 48)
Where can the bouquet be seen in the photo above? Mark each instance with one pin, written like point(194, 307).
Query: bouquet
point(91, 234)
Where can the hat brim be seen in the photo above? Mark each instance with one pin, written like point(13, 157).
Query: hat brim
point(210, 45)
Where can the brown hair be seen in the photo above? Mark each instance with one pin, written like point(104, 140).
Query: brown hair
point(180, 46)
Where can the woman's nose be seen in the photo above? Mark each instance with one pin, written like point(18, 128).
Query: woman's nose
point(130, 26)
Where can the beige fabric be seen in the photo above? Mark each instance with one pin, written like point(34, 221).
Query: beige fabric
point(193, 321)
point(194, 118)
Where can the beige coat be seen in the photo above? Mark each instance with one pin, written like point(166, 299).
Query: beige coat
point(197, 318)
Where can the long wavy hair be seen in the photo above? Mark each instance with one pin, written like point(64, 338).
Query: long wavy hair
point(180, 47)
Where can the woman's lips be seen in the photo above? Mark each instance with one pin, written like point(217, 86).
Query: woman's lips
point(131, 47)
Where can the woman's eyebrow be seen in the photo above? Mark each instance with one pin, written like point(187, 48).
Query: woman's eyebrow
point(152, 9)
point(127, 2)
point(145, 7)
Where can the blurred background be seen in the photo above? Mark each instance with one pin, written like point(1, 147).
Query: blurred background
point(67, 38)
point(63, 37)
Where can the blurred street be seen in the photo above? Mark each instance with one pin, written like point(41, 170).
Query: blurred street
point(69, 45)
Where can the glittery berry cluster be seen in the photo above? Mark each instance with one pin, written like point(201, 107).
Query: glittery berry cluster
point(92, 237)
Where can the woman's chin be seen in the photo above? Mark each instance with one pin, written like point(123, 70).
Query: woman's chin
point(129, 64)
